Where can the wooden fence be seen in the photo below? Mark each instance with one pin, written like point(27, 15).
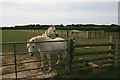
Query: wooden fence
point(82, 59)
point(73, 57)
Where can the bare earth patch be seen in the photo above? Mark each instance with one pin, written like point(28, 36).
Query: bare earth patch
point(23, 58)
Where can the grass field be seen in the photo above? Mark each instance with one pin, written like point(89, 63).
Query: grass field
point(23, 36)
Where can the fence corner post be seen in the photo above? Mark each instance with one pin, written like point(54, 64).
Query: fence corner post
point(70, 49)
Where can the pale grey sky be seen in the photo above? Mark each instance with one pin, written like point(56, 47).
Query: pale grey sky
point(14, 12)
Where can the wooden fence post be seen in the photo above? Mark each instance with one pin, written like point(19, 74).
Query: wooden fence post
point(112, 47)
point(87, 34)
point(113, 54)
point(110, 41)
point(67, 33)
point(95, 34)
point(104, 34)
point(70, 54)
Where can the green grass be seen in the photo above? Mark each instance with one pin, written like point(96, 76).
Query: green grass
point(107, 73)
point(22, 36)
point(16, 36)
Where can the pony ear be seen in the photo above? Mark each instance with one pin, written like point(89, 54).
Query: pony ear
point(53, 26)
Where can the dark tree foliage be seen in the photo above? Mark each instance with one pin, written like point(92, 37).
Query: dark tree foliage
point(112, 27)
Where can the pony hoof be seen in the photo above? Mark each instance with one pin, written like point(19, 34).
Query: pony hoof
point(41, 69)
point(57, 63)
point(49, 70)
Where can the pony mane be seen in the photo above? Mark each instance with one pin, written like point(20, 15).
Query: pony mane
point(47, 32)
point(42, 38)
point(39, 38)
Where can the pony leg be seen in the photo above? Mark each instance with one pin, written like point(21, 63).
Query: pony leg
point(64, 54)
point(58, 59)
point(42, 63)
point(49, 61)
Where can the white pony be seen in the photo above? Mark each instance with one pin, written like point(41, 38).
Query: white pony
point(47, 48)
point(51, 32)
point(75, 32)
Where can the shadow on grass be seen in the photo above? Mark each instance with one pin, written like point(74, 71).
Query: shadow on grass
point(111, 73)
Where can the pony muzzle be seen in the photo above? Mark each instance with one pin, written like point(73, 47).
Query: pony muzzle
point(57, 35)
point(31, 54)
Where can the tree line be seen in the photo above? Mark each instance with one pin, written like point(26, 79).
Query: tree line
point(112, 27)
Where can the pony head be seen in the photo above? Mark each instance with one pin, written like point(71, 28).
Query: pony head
point(31, 46)
point(52, 31)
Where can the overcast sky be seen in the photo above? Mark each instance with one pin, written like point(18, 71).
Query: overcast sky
point(14, 12)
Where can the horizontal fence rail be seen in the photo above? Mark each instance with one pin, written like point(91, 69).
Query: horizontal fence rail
point(21, 53)
point(11, 64)
point(94, 59)
point(93, 52)
point(3, 43)
point(93, 44)
point(84, 61)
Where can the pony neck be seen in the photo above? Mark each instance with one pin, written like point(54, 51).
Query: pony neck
point(46, 33)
